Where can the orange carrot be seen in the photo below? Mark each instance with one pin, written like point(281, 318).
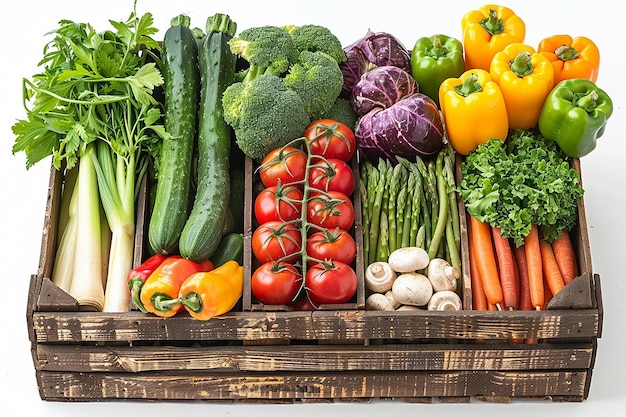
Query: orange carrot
point(535, 267)
point(506, 268)
point(548, 295)
point(551, 271)
point(486, 261)
point(565, 256)
point(479, 300)
point(522, 267)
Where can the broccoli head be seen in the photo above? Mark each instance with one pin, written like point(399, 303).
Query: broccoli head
point(267, 49)
point(264, 114)
point(316, 38)
point(317, 79)
point(342, 111)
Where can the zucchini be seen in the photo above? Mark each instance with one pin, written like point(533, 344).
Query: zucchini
point(229, 249)
point(203, 230)
point(181, 96)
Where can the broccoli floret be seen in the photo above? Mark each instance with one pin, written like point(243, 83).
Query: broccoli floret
point(267, 49)
point(317, 79)
point(264, 114)
point(343, 112)
point(316, 38)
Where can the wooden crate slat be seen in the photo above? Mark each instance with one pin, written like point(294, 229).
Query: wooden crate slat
point(100, 327)
point(66, 386)
point(316, 358)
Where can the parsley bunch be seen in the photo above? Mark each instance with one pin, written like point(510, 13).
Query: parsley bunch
point(519, 182)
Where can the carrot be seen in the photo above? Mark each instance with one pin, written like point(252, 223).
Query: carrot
point(479, 300)
point(551, 271)
point(506, 268)
point(486, 261)
point(548, 296)
point(522, 267)
point(565, 256)
point(535, 267)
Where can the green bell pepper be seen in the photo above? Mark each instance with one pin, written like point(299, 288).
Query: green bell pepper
point(434, 59)
point(575, 115)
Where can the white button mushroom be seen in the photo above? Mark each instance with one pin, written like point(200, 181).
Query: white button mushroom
point(408, 259)
point(379, 277)
point(412, 288)
point(381, 302)
point(442, 275)
point(445, 300)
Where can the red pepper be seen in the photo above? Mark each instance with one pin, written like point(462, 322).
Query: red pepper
point(138, 276)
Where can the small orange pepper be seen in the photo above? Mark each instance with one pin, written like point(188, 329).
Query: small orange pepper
point(487, 31)
point(159, 294)
point(208, 294)
point(525, 78)
point(571, 57)
point(473, 110)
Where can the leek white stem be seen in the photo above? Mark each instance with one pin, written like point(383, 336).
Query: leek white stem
point(66, 247)
point(86, 285)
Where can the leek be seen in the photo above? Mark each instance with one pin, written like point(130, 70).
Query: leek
point(93, 108)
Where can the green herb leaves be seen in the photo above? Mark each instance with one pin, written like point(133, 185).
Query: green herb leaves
point(523, 181)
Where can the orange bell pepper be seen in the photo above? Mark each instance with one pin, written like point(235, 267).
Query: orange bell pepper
point(571, 57)
point(525, 78)
point(208, 294)
point(159, 294)
point(487, 31)
point(473, 110)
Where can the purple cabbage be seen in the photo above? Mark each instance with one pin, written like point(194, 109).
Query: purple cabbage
point(372, 50)
point(410, 128)
point(381, 87)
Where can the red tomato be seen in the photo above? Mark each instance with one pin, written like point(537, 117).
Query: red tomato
point(278, 202)
point(276, 283)
point(330, 210)
point(335, 244)
point(331, 138)
point(286, 165)
point(331, 174)
point(276, 240)
point(302, 303)
point(331, 283)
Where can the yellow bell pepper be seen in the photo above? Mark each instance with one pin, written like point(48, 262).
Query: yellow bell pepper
point(473, 110)
point(525, 78)
point(487, 31)
point(208, 294)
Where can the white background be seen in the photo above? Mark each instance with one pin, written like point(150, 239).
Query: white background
point(23, 193)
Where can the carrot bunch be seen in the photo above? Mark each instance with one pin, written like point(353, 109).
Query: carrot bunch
point(525, 277)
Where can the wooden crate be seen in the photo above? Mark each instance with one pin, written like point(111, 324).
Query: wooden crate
point(320, 356)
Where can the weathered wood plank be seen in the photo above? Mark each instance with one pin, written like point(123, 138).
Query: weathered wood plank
point(318, 325)
point(314, 358)
point(66, 386)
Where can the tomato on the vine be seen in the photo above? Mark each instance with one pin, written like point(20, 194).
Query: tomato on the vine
point(331, 138)
point(331, 174)
point(276, 283)
point(330, 210)
point(278, 202)
point(275, 240)
point(285, 165)
point(335, 244)
point(331, 283)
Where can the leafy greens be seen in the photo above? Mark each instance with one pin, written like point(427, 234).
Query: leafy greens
point(519, 182)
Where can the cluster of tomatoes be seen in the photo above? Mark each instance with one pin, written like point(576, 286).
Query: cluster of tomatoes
point(306, 198)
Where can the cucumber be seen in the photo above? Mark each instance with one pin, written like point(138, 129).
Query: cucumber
point(203, 230)
point(229, 249)
point(181, 95)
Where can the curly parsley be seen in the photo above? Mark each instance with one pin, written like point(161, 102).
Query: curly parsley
point(524, 181)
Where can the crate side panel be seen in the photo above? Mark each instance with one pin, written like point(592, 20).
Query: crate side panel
point(291, 386)
point(313, 358)
point(328, 325)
